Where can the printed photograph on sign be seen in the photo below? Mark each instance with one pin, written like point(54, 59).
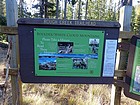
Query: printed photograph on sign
point(65, 47)
point(136, 85)
point(80, 63)
point(94, 46)
point(47, 63)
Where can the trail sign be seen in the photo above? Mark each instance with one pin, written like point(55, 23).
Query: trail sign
point(67, 51)
point(132, 88)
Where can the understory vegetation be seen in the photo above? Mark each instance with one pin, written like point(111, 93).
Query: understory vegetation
point(70, 94)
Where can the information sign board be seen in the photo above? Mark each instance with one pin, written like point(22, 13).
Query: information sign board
point(67, 51)
point(132, 88)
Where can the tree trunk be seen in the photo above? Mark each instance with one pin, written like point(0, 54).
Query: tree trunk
point(79, 17)
point(86, 10)
point(21, 8)
point(41, 9)
point(46, 9)
point(65, 9)
point(57, 7)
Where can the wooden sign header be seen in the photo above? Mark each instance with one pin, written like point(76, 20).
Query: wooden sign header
point(69, 22)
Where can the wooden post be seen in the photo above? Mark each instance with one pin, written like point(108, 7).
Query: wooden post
point(12, 16)
point(125, 17)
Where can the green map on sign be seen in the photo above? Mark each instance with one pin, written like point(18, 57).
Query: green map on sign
point(135, 81)
point(66, 52)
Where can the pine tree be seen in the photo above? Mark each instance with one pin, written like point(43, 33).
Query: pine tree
point(23, 9)
point(46, 9)
point(96, 9)
point(100, 10)
point(137, 24)
point(110, 12)
point(2, 8)
point(86, 10)
point(69, 11)
point(2, 12)
point(79, 10)
point(57, 9)
point(2, 17)
point(135, 19)
point(51, 9)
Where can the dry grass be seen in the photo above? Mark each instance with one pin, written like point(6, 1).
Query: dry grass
point(68, 94)
point(57, 94)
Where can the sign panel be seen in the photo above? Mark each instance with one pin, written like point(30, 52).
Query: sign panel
point(72, 51)
point(60, 52)
point(135, 79)
point(133, 71)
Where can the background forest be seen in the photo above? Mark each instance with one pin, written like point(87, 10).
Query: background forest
point(72, 10)
point(64, 94)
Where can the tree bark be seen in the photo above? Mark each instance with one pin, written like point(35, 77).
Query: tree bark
point(86, 10)
point(65, 9)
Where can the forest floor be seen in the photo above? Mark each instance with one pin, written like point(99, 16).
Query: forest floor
point(3, 52)
point(62, 94)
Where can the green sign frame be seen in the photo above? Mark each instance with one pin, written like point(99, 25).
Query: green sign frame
point(135, 79)
point(132, 81)
point(63, 52)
